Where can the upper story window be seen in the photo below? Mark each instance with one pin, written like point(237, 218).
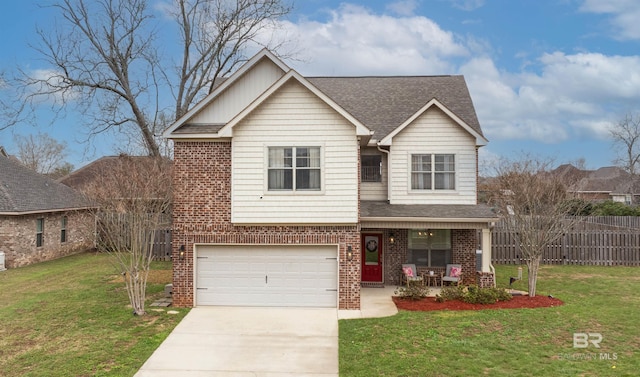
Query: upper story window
point(63, 229)
point(433, 172)
point(39, 232)
point(371, 168)
point(294, 168)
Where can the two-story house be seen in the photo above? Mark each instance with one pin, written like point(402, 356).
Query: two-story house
point(297, 191)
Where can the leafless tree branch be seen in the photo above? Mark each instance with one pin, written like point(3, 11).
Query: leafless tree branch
point(105, 59)
point(535, 206)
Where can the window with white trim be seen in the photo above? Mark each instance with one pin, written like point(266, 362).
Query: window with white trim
point(433, 172)
point(294, 169)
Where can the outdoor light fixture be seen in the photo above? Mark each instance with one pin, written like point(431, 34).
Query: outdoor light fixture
point(181, 252)
point(349, 253)
point(392, 238)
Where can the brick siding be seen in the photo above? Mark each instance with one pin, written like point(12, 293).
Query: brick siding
point(463, 245)
point(202, 215)
point(18, 237)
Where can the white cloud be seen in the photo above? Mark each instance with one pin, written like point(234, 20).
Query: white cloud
point(47, 85)
point(624, 15)
point(403, 7)
point(573, 95)
point(556, 97)
point(355, 41)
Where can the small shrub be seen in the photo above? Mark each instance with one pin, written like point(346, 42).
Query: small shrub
point(474, 295)
point(412, 292)
point(451, 293)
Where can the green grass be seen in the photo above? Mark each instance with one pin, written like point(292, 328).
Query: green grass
point(522, 342)
point(70, 317)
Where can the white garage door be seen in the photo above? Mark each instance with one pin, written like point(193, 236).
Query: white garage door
point(267, 275)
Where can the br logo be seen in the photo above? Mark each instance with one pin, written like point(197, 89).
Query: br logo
point(582, 339)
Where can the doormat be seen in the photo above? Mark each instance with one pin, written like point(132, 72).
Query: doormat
point(366, 284)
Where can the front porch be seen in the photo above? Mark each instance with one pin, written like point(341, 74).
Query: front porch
point(429, 236)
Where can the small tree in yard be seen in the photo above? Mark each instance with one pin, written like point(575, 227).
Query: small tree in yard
point(133, 200)
point(535, 208)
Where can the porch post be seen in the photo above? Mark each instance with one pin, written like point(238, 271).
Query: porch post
point(486, 250)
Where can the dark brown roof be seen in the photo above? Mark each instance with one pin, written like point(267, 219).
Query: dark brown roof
point(384, 103)
point(23, 190)
point(102, 166)
point(383, 209)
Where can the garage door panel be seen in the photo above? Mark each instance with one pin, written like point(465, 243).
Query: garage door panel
point(267, 275)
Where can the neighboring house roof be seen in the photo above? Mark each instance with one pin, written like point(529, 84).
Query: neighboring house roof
point(78, 179)
point(610, 180)
point(24, 191)
point(381, 104)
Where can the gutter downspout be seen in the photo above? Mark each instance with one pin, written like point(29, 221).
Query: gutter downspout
point(388, 172)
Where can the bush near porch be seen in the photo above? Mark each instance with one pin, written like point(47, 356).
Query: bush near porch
point(509, 342)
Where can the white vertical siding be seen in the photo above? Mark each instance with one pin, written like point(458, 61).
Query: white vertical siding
point(294, 116)
point(239, 95)
point(375, 190)
point(433, 133)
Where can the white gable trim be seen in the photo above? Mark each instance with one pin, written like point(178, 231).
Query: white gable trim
point(480, 140)
point(264, 53)
point(227, 130)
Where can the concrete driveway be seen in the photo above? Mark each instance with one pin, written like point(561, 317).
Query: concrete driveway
point(239, 341)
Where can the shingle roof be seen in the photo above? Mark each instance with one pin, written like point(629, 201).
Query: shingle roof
point(87, 174)
point(384, 103)
point(380, 209)
point(23, 190)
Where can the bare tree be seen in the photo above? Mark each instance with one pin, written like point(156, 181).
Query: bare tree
point(534, 205)
point(42, 153)
point(625, 137)
point(108, 58)
point(132, 199)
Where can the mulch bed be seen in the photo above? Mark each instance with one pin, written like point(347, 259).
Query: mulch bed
point(518, 302)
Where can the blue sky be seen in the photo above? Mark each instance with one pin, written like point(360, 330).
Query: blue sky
point(547, 77)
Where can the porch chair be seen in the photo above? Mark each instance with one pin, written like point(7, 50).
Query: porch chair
point(452, 275)
point(410, 274)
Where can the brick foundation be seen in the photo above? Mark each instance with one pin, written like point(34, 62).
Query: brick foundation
point(485, 279)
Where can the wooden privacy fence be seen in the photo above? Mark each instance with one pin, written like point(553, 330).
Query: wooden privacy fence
point(162, 245)
point(585, 247)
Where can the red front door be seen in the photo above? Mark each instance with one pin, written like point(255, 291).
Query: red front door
point(371, 257)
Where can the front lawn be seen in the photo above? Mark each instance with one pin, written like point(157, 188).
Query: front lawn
point(510, 342)
point(69, 317)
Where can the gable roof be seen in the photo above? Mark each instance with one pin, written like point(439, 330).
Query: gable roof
point(293, 75)
point(220, 86)
point(385, 103)
point(380, 103)
point(24, 191)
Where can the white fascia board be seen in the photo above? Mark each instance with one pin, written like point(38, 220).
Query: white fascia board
point(227, 130)
point(480, 140)
point(230, 81)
